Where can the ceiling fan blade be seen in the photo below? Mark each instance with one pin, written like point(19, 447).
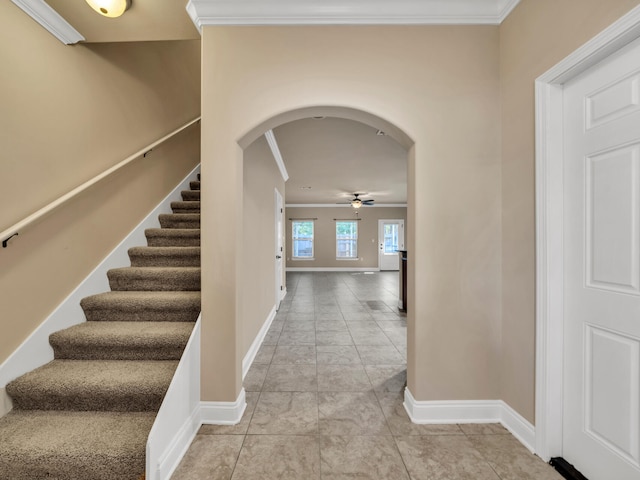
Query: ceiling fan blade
point(368, 202)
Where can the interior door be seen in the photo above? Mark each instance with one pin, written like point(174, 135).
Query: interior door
point(390, 240)
point(601, 409)
point(279, 217)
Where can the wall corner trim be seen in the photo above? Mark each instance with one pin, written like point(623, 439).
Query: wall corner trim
point(470, 411)
point(275, 150)
point(223, 413)
point(46, 16)
point(257, 342)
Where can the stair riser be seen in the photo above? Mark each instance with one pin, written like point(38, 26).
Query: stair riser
point(195, 185)
point(155, 284)
point(134, 401)
point(165, 261)
point(146, 315)
point(90, 352)
point(167, 241)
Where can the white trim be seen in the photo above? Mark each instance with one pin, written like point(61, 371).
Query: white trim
point(223, 413)
point(283, 292)
point(348, 12)
point(51, 20)
point(277, 156)
point(178, 419)
point(506, 9)
point(332, 269)
point(470, 411)
point(347, 205)
point(519, 426)
point(549, 225)
point(257, 342)
point(35, 351)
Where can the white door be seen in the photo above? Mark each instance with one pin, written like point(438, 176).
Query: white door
point(390, 240)
point(279, 216)
point(601, 410)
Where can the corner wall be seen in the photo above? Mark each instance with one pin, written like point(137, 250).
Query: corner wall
point(537, 35)
point(68, 114)
point(440, 86)
point(260, 177)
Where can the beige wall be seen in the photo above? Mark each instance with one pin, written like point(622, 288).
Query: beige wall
point(260, 177)
point(69, 113)
point(536, 36)
point(439, 85)
point(325, 235)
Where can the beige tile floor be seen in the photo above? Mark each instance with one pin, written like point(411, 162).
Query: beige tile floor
point(324, 401)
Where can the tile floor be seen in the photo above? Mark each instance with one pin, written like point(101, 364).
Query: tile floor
point(324, 401)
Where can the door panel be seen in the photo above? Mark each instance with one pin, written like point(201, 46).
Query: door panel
point(601, 411)
point(390, 240)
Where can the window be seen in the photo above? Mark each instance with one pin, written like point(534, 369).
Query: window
point(302, 239)
point(347, 239)
point(391, 238)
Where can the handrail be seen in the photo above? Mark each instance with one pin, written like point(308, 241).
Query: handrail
point(11, 232)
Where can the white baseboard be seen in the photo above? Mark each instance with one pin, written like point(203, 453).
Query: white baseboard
point(471, 411)
point(332, 269)
point(35, 351)
point(223, 413)
point(255, 346)
point(179, 446)
point(518, 426)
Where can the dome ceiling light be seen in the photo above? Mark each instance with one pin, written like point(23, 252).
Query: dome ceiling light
point(110, 8)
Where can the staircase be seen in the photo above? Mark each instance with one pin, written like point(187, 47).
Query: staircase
point(86, 415)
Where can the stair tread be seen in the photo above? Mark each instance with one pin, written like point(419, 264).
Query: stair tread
point(141, 306)
point(173, 237)
point(122, 340)
point(132, 385)
point(154, 278)
point(164, 256)
point(71, 445)
point(179, 220)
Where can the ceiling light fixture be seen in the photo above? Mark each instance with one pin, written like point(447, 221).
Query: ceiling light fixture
point(356, 203)
point(110, 8)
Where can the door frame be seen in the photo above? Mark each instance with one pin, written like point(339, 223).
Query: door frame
point(279, 238)
point(550, 224)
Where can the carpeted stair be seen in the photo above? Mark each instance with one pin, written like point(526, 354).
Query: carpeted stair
point(87, 414)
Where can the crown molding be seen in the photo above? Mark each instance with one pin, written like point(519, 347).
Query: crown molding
point(341, 205)
point(275, 151)
point(46, 16)
point(506, 8)
point(349, 12)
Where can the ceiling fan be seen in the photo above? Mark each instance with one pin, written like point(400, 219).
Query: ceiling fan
point(356, 202)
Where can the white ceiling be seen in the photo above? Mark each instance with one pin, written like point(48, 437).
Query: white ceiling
point(337, 158)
